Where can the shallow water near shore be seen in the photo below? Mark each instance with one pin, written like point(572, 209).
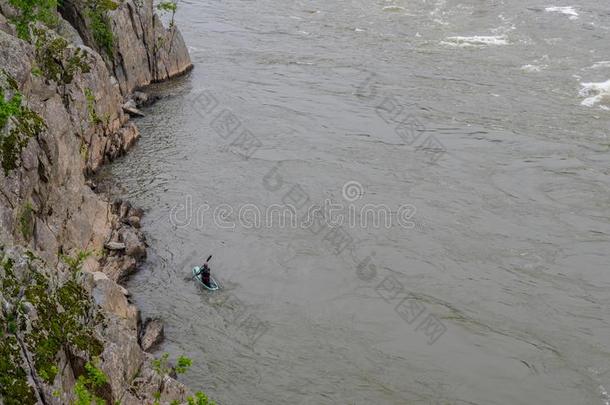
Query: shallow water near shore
point(505, 160)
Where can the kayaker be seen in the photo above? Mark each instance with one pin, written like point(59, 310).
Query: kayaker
point(204, 272)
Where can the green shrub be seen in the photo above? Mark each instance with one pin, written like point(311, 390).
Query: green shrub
point(199, 399)
point(24, 124)
point(75, 263)
point(56, 61)
point(100, 24)
point(161, 365)
point(183, 364)
point(9, 108)
point(30, 11)
point(93, 117)
point(62, 322)
point(168, 6)
point(86, 384)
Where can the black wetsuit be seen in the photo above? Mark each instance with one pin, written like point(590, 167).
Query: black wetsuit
point(204, 272)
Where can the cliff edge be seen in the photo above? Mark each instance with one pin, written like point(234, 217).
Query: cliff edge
point(67, 329)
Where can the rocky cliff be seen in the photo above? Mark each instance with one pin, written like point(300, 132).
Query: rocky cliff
point(143, 50)
point(65, 73)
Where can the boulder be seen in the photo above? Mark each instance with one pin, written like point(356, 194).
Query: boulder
point(152, 334)
point(115, 206)
point(115, 246)
point(30, 310)
point(124, 291)
point(134, 243)
point(118, 268)
point(98, 276)
point(69, 32)
point(134, 221)
point(124, 210)
point(130, 108)
point(109, 295)
point(140, 98)
point(136, 212)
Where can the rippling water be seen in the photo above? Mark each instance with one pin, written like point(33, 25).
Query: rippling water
point(509, 248)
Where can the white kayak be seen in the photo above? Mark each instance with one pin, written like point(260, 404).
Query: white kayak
point(213, 284)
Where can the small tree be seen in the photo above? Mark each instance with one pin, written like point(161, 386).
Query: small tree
point(168, 6)
point(84, 389)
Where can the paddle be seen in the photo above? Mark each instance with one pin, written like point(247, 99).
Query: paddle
point(215, 282)
point(209, 258)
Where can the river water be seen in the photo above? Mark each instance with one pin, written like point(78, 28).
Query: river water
point(483, 129)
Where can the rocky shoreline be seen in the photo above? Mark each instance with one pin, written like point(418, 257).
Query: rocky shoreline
point(65, 101)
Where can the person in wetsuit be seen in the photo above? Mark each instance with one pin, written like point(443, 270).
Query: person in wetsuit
point(204, 272)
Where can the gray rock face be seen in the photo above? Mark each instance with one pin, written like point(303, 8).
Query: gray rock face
point(50, 175)
point(148, 382)
point(122, 356)
point(145, 51)
point(5, 26)
point(121, 359)
point(46, 204)
point(110, 297)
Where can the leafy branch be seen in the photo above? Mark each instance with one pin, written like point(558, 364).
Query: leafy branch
point(88, 383)
point(18, 124)
point(168, 6)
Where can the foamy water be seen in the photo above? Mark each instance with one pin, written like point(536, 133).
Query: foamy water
point(533, 68)
point(601, 65)
point(393, 8)
point(596, 94)
point(476, 40)
point(566, 10)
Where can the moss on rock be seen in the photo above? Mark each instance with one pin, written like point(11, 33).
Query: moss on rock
point(56, 60)
point(14, 387)
point(65, 318)
point(26, 221)
point(18, 123)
